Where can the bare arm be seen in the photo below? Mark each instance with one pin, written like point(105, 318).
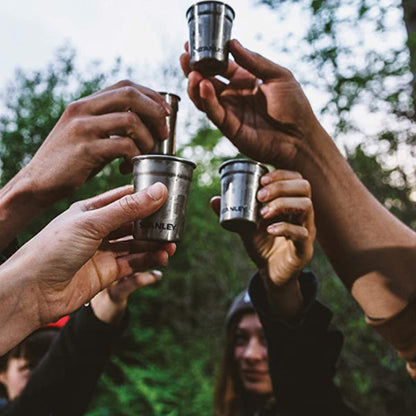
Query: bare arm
point(78, 254)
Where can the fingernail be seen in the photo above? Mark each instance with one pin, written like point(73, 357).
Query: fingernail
point(262, 194)
point(167, 108)
point(265, 180)
point(271, 228)
point(157, 274)
point(264, 211)
point(156, 191)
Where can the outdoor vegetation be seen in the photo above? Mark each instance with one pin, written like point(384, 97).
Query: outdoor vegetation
point(167, 360)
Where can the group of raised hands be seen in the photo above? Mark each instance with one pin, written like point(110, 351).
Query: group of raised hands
point(264, 112)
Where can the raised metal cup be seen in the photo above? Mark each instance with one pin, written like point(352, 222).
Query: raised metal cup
point(168, 223)
point(210, 24)
point(240, 181)
point(168, 146)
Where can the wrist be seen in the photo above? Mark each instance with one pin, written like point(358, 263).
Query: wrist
point(18, 205)
point(19, 304)
point(108, 310)
point(285, 299)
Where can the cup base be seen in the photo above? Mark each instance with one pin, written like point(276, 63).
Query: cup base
point(210, 66)
point(239, 225)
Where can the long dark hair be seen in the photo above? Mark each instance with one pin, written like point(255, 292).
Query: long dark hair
point(229, 390)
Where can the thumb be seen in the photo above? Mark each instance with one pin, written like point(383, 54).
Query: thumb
point(127, 208)
point(215, 203)
point(257, 64)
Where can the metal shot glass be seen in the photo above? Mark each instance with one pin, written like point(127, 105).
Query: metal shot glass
point(240, 181)
point(210, 24)
point(168, 146)
point(167, 224)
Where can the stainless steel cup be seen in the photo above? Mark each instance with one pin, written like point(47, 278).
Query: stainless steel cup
point(168, 146)
point(168, 223)
point(210, 24)
point(240, 181)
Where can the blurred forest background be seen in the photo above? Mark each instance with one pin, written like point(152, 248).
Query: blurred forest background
point(167, 361)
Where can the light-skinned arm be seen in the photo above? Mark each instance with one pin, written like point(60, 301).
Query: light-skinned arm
point(78, 254)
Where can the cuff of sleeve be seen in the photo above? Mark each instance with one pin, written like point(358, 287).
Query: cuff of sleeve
point(400, 332)
point(92, 327)
point(311, 313)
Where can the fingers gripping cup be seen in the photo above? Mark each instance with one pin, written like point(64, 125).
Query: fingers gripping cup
point(168, 146)
point(168, 223)
point(210, 24)
point(240, 181)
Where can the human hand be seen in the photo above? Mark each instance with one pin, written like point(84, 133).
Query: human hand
point(120, 121)
point(110, 304)
point(279, 247)
point(86, 248)
point(262, 109)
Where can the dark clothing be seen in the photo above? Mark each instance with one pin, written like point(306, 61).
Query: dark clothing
point(302, 354)
point(64, 381)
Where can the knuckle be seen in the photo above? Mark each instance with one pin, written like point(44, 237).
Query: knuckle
point(308, 204)
point(307, 187)
point(125, 83)
point(128, 205)
point(77, 126)
point(129, 92)
point(74, 108)
point(130, 118)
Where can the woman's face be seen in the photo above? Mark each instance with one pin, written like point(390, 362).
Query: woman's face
point(15, 377)
point(250, 353)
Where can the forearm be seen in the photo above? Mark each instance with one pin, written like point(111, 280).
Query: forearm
point(371, 251)
point(19, 315)
point(18, 205)
point(285, 300)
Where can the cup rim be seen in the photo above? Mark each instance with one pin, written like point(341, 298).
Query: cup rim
point(159, 156)
point(211, 1)
point(248, 161)
point(169, 93)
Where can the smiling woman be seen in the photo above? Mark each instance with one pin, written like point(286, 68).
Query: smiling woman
point(244, 384)
point(251, 356)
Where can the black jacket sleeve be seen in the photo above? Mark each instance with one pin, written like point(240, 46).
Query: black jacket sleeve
point(64, 381)
point(302, 354)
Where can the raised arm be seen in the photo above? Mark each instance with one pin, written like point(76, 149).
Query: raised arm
point(78, 254)
point(118, 122)
point(265, 113)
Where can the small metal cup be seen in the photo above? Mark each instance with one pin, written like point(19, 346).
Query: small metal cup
point(240, 181)
point(167, 224)
point(168, 146)
point(210, 24)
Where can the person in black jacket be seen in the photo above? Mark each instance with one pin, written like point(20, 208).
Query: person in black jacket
point(55, 371)
point(280, 360)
